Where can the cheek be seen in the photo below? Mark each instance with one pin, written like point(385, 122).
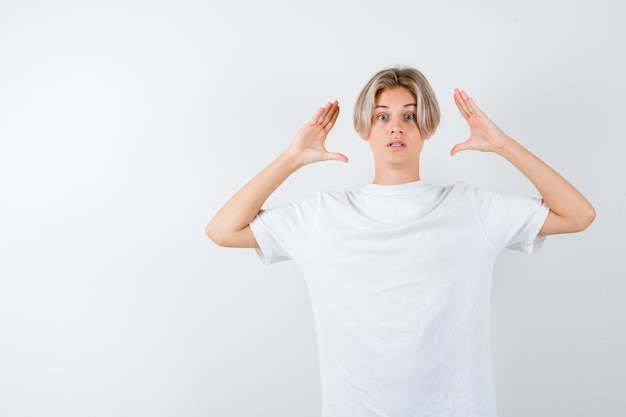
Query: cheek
point(411, 123)
point(412, 127)
point(374, 132)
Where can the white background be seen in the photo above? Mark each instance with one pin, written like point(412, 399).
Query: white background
point(125, 125)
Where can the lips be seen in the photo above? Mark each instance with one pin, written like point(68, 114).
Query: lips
point(396, 144)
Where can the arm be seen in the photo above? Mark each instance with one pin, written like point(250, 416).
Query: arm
point(230, 225)
point(569, 209)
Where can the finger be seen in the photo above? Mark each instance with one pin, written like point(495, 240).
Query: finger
point(471, 104)
point(335, 156)
point(461, 103)
point(335, 114)
point(463, 146)
point(319, 115)
point(330, 116)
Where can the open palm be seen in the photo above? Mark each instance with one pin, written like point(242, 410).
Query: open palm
point(485, 136)
point(309, 144)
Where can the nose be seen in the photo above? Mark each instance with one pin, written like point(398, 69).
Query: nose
point(395, 128)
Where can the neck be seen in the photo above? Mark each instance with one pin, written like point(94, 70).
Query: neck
point(391, 176)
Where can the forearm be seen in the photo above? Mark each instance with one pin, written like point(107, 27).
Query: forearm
point(230, 226)
point(226, 227)
point(570, 210)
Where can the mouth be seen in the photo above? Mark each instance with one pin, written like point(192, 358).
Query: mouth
point(396, 144)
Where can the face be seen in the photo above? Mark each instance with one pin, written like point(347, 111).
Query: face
point(394, 137)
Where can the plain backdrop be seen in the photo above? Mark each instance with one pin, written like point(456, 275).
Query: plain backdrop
point(125, 125)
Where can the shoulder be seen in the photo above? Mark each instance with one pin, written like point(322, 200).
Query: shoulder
point(336, 194)
point(492, 201)
point(459, 191)
point(473, 192)
point(335, 198)
point(462, 187)
point(463, 195)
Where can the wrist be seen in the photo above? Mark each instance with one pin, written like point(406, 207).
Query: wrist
point(509, 147)
point(290, 161)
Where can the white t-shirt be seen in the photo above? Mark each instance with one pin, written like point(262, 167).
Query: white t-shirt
point(399, 278)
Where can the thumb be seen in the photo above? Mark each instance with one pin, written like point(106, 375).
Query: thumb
point(335, 156)
point(463, 146)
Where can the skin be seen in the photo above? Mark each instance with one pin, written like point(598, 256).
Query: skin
point(569, 209)
point(394, 121)
point(569, 212)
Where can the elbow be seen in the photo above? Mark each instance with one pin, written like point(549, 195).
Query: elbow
point(213, 233)
point(589, 217)
point(573, 223)
point(585, 218)
point(228, 238)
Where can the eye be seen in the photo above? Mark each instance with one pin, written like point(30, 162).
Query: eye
point(409, 116)
point(382, 117)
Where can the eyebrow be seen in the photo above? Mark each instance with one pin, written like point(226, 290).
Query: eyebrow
point(386, 107)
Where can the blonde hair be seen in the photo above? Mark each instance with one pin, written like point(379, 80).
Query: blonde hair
point(428, 114)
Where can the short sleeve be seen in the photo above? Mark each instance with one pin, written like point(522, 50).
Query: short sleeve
point(511, 222)
point(284, 233)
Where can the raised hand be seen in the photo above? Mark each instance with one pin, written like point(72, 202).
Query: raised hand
point(230, 226)
point(485, 136)
point(309, 144)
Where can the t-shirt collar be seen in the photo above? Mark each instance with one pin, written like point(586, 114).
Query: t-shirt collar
point(409, 188)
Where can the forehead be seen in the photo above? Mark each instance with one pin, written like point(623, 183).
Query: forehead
point(394, 96)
